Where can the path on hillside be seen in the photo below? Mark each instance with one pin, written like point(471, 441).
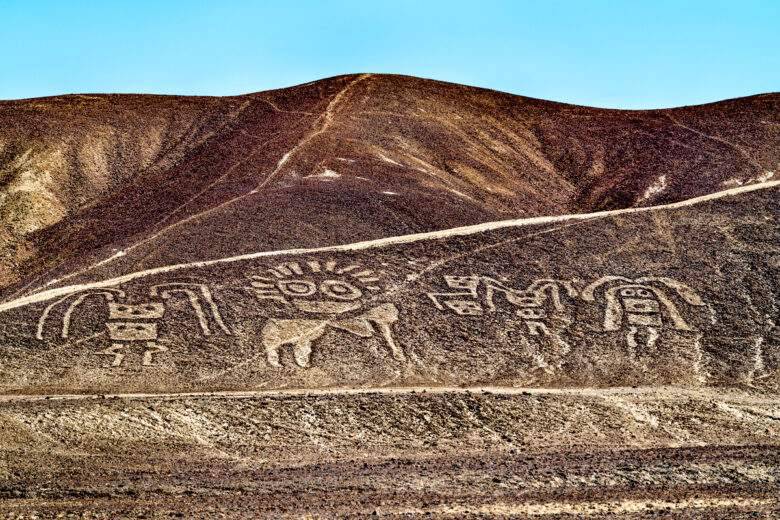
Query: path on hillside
point(646, 392)
point(396, 240)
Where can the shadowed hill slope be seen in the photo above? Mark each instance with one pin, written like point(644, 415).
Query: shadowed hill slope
point(100, 185)
point(683, 295)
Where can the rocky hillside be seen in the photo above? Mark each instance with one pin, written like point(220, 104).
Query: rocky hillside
point(110, 184)
point(685, 294)
point(623, 363)
point(384, 296)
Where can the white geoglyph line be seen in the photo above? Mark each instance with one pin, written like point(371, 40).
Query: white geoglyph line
point(381, 242)
point(653, 393)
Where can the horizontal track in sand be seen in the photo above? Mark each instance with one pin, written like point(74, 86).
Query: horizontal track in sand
point(647, 393)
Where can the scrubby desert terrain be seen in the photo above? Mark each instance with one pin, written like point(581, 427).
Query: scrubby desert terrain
point(382, 295)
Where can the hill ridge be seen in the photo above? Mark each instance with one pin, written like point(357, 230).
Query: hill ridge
point(84, 177)
point(255, 93)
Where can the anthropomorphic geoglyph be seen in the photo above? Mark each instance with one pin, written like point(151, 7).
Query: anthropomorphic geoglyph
point(326, 296)
point(641, 307)
point(133, 323)
point(536, 307)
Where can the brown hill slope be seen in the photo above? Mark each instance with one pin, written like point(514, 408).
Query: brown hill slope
point(96, 186)
point(618, 365)
point(684, 294)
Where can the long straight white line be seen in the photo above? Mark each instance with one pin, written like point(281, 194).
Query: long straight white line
point(403, 239)
point(644, 392)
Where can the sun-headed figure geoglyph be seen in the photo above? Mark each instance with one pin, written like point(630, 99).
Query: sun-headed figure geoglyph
point(326, 296)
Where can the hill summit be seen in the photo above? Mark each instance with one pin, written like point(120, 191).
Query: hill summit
point(102, 185)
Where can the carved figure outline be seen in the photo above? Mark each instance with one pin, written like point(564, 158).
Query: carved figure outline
point(329, 296)
point(640, 307)
point(131, 323)
point(529, 304)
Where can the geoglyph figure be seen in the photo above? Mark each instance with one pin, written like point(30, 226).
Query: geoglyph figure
point(640, 307)
point(330, 297)
point(133, 324)
point(136, 323)
point(532, 307)
point(464, 287)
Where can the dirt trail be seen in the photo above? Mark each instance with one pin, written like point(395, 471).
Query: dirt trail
point(581, 509)
point(648, 392)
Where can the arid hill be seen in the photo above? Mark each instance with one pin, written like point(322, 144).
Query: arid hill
point(683, 294)
point(623, 363)
point(109, 184)
point(264, 306)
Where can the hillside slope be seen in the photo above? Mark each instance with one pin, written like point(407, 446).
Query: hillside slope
point(684, 294)
point(618, 364)
point(264, 306)
point(109, 184)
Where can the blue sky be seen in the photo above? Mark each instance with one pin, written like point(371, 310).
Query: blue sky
point(628, 54)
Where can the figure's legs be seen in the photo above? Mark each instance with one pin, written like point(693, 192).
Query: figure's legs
point(384, 316)
point(537, 328)
point(631, 341)
point(652, 337)
point(272, 353)
point(272, 341)
point(387, 333)
point(113, 350)
point(302, 352)
point(649, 337)
point(298, 333)
point(551, 346)
point(563, 347)
point(152, 348)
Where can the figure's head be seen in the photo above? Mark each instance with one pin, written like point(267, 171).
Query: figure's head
point(638, 298)
point(643, 301)
point(640, 304)
point(315, 287)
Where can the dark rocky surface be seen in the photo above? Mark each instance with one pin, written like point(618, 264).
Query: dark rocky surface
point(340, 160)
point(423, 400)
point(684, 296)
point(182, 336)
